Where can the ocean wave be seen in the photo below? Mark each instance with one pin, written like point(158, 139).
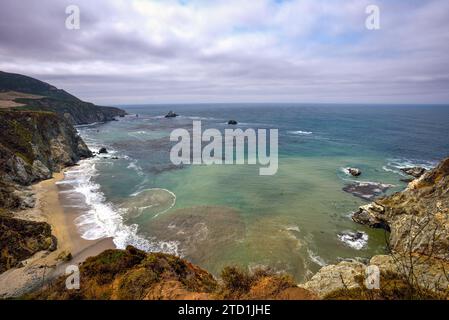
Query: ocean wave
point(134, 166)
point(198, 118)
point(301, 133)
point(395, 165)
point(316, 258)
point(139, 135)
point(103, 219)
point(88, 125)
point(292, 228)
point(347, 177)
point(356, 240)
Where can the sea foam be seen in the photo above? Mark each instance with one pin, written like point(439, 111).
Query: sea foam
point(103, 219)
point(356, 240)
point(301, 133)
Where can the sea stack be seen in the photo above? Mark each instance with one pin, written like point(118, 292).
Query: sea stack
point(171, 114)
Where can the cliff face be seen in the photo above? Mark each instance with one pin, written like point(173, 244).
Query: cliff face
point(49, 98)
point(417, 266)
point(417, 218)
point(33, 145)
point(21, 239)
point(75, 111)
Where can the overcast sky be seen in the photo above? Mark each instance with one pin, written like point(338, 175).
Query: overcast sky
point(143, 51)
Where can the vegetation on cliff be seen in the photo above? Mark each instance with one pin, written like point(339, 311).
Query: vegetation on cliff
point(134, 274)
point(33, 145)
point(49, 98)
point(21, 239)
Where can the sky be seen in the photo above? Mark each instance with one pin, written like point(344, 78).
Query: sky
point(202, 51)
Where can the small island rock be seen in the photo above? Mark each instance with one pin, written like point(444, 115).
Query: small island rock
point(171, 114)
point(354, 172)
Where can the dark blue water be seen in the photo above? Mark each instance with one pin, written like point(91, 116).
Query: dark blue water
point(397, 131)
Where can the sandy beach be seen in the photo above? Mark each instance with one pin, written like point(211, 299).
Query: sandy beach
point(44, 265)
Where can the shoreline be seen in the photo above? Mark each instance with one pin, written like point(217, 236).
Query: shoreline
point(45, 265)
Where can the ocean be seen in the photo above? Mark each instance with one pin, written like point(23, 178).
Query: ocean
point(295, 221)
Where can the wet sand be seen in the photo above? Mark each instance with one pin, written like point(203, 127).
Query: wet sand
point(47, 265)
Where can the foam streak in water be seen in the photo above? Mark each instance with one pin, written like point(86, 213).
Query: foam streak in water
point(103, 219)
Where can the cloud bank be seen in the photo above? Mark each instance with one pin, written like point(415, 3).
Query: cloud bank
point(142, 51)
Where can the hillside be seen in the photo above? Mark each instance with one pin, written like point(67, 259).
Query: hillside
point(132, 274)
point(33, 145)
point(26, 93)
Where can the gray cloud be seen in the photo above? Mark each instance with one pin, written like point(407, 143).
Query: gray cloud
point(143, 51)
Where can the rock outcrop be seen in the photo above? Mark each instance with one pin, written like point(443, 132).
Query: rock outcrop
point(397, 280)
point(418, 218)
point(335, 277)
point(33, 145)
point(415, 172)
point(21, 239)
point(417, 265)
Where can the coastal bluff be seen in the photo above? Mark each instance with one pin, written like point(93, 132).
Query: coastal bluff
point(38, 139)
point(20, 92)
point(33, 146)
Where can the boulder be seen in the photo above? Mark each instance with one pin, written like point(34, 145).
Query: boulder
point(102, 150)
point(232, 122)
point(354, 172)
point(366, 190)
point(371, 215)
point(345, 275)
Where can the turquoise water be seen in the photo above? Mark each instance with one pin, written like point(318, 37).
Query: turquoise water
point(222, 215)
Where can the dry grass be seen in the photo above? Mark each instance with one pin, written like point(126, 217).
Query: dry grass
point(7, 99)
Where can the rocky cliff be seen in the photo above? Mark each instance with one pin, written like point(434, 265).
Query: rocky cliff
point(27, 93)
point(417, 218)
point(33, 145)
point(417, 266)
